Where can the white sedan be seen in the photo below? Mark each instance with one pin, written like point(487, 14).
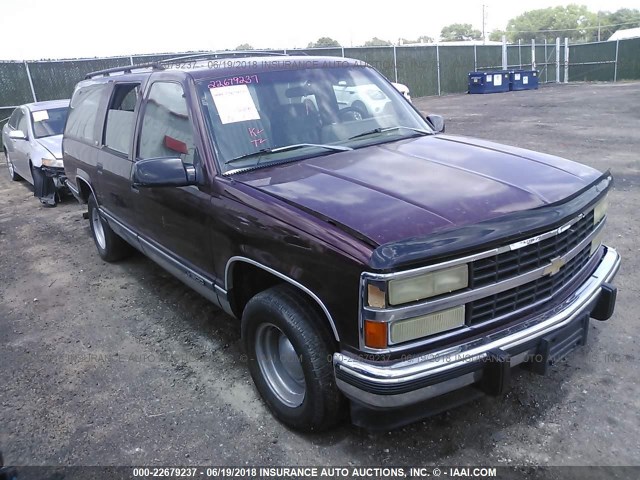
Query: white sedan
point(32, 144)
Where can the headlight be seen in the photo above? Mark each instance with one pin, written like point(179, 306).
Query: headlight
point(437, 322)
point(600, 210)
point(597, 241)
point(52, 162)
point(428, 285)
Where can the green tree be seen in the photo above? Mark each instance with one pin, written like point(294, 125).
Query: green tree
point(610, 22)
point(377, 42)
point(458, 32)
point(496, 35)
point(244, 46)
point(324, 42)
point(420, 39)
point(575, 22)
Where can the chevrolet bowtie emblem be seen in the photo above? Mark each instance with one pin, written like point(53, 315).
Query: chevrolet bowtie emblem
point(555, 266)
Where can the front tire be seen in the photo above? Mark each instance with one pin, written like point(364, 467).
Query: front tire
point(290, 352)
point(12, 171)
point(111, 247)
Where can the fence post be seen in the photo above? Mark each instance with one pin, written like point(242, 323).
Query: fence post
point(520, 53)
point(438, 65)
point(504, 52)
point(33, 91)
point(546, 63)
point(533, 54)
point(475, 57)
point(395, 63)
point(557, 59)
point(615, 65)
point(566, 60)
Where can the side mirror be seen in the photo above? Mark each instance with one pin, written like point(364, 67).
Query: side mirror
point(436, 122)
point(163, 172)
point(17, 135)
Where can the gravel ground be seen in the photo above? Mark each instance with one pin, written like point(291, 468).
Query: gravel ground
point(121, 364)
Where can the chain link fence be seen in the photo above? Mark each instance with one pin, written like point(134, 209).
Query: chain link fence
point(426, 70)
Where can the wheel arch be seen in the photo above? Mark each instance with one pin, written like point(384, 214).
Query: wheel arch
point(266, 278)
point(85, 190)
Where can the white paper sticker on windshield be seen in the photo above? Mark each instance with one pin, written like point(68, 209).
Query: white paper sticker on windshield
point(525, 80)
point(516, 76)
point(497, 80)
point(234, 104)
point(40, 116)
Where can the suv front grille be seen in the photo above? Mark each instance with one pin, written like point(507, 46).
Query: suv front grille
point(517, 298)
point(517, 262)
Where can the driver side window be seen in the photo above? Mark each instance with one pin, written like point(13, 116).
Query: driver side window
point(23, 124)
point(166, 127)
point(15, 118)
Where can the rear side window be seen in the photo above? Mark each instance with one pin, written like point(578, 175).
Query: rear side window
point(121, 117)
point(166, 128)
point(83, 113)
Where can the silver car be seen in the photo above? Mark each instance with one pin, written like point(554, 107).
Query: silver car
point(32, 144)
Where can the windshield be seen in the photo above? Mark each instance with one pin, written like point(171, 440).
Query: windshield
point(275, 116)
point(49, 122)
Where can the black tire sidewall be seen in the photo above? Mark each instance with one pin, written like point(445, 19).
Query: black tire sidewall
point(310, 344)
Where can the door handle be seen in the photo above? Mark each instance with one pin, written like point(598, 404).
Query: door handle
point(99, 168)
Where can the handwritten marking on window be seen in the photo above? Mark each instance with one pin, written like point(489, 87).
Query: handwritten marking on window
point(258, 141)
point(241, 80)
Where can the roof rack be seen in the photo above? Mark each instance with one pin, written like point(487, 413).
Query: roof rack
point(125, 69)
point(230, 53)
point(157, 65)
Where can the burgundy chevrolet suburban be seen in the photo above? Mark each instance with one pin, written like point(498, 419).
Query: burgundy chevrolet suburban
point(372, 260)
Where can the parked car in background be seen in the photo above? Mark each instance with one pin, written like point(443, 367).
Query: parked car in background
point(366, 100)
point(403, 89)
point(372, 261)
point(32, 144)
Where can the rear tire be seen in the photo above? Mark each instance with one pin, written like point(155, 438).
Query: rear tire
point(111, 247)
point(290, 353)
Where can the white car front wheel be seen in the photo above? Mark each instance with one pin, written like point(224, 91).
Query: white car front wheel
point(12, 171)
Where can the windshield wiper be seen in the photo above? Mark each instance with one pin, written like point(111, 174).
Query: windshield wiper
point(389, 129)
point(268, 151)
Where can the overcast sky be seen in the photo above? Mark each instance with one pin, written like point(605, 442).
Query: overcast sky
point(35, 29)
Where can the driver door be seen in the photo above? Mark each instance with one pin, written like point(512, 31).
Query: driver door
point(174, 220)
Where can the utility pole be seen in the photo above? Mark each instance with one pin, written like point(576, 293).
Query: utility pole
point(484, 38)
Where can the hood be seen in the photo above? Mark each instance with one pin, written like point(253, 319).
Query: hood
point(53, 144)
point(415, 187)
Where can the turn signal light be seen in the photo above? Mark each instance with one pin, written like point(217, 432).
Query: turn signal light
point(375, 334)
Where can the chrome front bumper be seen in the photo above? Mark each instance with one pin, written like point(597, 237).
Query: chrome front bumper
point(427, 376)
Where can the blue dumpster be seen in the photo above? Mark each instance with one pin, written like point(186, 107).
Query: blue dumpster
point(524, 80)
point(489, 82)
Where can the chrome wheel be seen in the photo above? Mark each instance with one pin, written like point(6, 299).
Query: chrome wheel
point(280, 365)
point(98, 230)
